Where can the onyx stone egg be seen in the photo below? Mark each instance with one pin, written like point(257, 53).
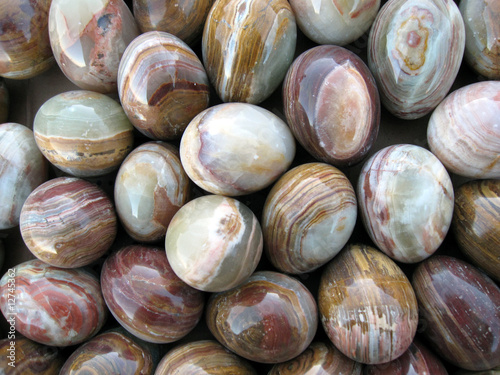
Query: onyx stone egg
point(68, 222)
point(464, 133)
point(270, 318)
point(332, 104)
point(367, 305)
point(146, 297)
point(459, 311)
point(406, 199)
point(149, 189)
point(162, 85)
point(88, 40)
point(214, 243)
point(23, 168)
point(309, 215)
point(53, 306)
point(415, 49)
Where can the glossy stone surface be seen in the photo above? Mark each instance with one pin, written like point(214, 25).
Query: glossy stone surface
point(476, 223)
point(109, 353)
point(335, 22)
point(162, 85)
point(26, 357)
point(460, 312)
point(308, 217)
point(236, 148)
point(88, 40)
point(83, 133)
point(416, 360)
point(214, 243)
point(270, 318)
point(415, 49)
point(150, 187)
point(332, 105)
point(318, 359)
point(463, 131)
point(146, 297)
point(4, 102)
point(203, 357)
point(247, 47)
point(24, 42)
point(482, 31)
point(183, 18)
point(406, 200)
point(22, 169)
point(53, 306)
point(367, 305)
point(68, 222)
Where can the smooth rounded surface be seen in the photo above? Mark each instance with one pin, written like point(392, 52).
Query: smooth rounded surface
point(109, 353)
point(335, 22)
point(482, 31)
point(318, 359)
point(150, 187)
point(415, 49)
point(146, 297)
point(88, 39)
point(308, 217)
point(68, 222)
point(367, 305)
point(205, 357)
point(464, 132)
point(332, 105)
point(271, 318)
point(54, 306)
point(83, 133)
point(24, 42)
point(476, 223)
point(236, 148)
point(4, 102)
point(406, 200)
point(22, 169)
point(214, 243)
point(162, 85)
point(460, 311)
point(247, 47)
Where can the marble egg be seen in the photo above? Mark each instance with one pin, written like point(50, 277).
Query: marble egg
point(203, 357)
point(88, 38)
point(83, 133)
point(183, 18)
point(214, 243)
point(464, 130)
point(247, 47)
point(335, 22)
point(476, 223)
point(68, 222)
point(109, 353)
point(4, 102)
point(25, 50)
point(367, 305)
point(415, 49)
point(406, 201)
point(308, 217)
point(22, 169)
point(150, 187)
point(53, 306)
point(162, 85)
point(416, 360)
point(22, 356)
point(236, 149)
point(318, 359)
point(146, 297)
point(332, 105)
point(482, 36)
point(459, 309)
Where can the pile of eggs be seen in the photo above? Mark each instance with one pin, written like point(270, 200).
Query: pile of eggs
point(250, 187)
